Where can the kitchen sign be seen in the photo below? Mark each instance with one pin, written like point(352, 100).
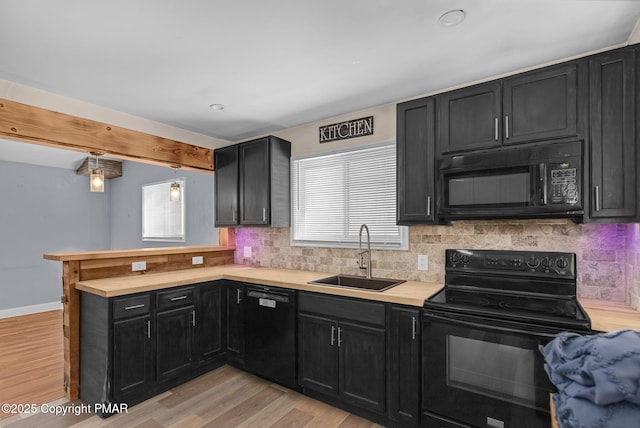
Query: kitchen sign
point(345, 130)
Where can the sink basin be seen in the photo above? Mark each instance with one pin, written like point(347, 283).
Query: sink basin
point(359, 282)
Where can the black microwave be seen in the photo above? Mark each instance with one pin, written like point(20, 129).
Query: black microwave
point(544, 180)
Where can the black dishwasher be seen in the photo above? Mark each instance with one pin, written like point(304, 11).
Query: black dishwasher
point(270, 334)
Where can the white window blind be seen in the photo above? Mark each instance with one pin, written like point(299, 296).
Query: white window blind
point(162, 219)
point(334, 194)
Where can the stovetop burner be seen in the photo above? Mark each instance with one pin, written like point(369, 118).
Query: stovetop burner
point(533, 287)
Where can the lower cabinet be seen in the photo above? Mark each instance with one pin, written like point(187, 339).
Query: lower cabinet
point(342, 344)
point(235, 323)
point(404, 365)
point(134, 347)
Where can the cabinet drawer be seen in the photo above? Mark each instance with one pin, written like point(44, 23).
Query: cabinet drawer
point(341, 307)
point(129, 306)
point(175, 298)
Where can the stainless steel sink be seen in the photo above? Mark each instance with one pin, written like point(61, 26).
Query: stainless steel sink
point(359, 282)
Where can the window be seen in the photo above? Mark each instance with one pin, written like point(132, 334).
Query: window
point(334, 194)
point(162, 219)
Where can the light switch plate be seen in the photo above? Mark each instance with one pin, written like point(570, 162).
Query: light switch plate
point(423, 262)
point(197, 260)
point(247, 251)
point(137, 266)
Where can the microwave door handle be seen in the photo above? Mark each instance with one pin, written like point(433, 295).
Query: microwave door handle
point(452, 320)
point(543, 179)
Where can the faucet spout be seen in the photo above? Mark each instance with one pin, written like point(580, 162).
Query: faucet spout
point(366, 266)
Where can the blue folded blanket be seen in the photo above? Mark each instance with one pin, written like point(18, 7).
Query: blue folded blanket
point(598, 378)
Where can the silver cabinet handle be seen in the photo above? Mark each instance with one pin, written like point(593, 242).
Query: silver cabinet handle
point(193, 317)
point(596, 191)
point(496, 129)
point(333, 335)
point(506, 127)
point(234, 215)
point(428, 206)
point(148, 329)
point(173, 299)
point(414, 324)
point(238, 299)
point(128, 308)
point(264, 214)
point(339, 337)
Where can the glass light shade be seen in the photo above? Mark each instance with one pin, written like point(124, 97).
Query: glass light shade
point(96, 180)
point(174, 193)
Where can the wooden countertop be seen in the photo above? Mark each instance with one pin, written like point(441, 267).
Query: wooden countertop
point(137, 252)
point(411, 293)
point(605, 316)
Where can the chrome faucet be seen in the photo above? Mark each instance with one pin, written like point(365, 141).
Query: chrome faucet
point(361, 253)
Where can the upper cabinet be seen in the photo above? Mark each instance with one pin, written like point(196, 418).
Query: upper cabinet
point(614, 153)
point(252, 183)
point(416, 161)
point(538, 105)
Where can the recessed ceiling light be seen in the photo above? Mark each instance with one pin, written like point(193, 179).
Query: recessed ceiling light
point(216, 106)
point(452, 18)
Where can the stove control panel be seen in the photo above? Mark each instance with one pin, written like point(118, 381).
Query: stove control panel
point(538, 262)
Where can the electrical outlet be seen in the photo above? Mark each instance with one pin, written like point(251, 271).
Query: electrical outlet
point(247, 251)
point(423, 262)
point(137, 266)
point(197, 260)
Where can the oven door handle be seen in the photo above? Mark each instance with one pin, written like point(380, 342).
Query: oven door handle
point(454, 320)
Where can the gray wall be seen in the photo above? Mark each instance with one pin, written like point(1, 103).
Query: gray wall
point(126, 206)
point(44, 209)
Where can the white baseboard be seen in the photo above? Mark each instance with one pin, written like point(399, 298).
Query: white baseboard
point(26, 310)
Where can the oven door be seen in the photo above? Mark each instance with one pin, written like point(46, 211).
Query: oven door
point(485, 373)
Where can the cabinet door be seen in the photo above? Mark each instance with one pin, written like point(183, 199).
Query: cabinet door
point(318, 354)
point(209, 331)
point(254, 182)
point(404, 365)
point(540, 104)
point(226, 186)
point(174, 338)
point(469, 118)
point(613, 140)
point(235, 323)
point(416, 161)
point(132, 357)
point(362, 366)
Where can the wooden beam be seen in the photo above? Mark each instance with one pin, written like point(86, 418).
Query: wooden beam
point(46, 127)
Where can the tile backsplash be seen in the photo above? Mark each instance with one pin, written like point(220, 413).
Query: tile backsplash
point(608, 256)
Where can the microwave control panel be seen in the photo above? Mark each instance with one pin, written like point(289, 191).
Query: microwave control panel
point(564, 185)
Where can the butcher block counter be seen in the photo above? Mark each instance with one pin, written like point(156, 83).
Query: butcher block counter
point(411, 293)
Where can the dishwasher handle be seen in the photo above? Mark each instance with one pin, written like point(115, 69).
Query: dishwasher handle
point(282, 298)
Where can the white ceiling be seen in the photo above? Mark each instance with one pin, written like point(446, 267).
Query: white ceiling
point(281, 63)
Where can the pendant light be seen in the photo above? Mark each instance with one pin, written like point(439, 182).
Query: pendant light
point(96, 179)
point(174, 191)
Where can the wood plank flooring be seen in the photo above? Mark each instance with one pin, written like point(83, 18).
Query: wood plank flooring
point(31, 359)
point(31, 372)
point(226, 397)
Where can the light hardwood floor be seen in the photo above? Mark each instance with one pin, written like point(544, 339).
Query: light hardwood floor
point(31, 359)
point(226, 397)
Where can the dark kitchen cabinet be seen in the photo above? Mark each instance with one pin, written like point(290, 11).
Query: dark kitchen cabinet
point(469, 118)
point(542, 104)
point(252, 183)
point(136, 346)
point(235, 323)
point(225, 162)
point(404, 365)
point(614, 153)
point(342, 344)
point(416, 164)
point(132, 357)
point(209, 322)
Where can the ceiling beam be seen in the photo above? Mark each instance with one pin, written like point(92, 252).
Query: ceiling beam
point(36, 125)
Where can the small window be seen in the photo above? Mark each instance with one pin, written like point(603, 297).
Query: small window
point(334, 194)
point(163, 219)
